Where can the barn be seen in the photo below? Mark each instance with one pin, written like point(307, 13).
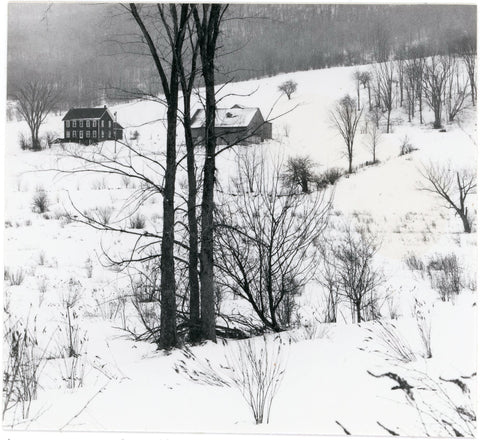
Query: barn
point(235, 125)
point(91, 125)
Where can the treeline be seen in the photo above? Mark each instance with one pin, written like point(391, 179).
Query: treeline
point(87, 48)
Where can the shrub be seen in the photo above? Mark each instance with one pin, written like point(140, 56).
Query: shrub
point(23, 363)
point(40, 202)
point(257, 371)
point(445, 275)
point(50, 137)
point(391, 343)
point(424, 327)
point(24, 143)
point(414, 263)
point(15, 278)
point(137, 221)
point(255, 367)
point(406, 147)
point(331, 175)
point(103, 214)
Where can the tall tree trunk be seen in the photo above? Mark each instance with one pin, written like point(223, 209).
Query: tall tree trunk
point(208, 28)
point(193, 282)
point(206, 254)
point(168, 324)
point(168, 321)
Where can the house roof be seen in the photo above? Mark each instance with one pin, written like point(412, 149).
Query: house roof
point(85, 113)
point(117, 125)
point(236, 116)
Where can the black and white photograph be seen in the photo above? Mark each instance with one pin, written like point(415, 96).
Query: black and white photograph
point(240, 218)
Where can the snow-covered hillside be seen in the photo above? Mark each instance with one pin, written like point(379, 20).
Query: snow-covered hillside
point(329, 383)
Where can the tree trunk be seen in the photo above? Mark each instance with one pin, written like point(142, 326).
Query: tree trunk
point(168, 324)
point(35, 141)
point(206, 253)
point(194, 287)
point(369, 97)
point(466, 223)
point(358, 311)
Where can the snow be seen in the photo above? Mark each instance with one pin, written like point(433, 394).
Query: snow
point(129, 386)
point(231, 117)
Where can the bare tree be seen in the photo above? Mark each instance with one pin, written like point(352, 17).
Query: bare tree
point(468, 52)
point(266, 241)
point(453, 186)
point(384, 73)
point(456, 91)
point(374, 137)
point(35, 100)
point(299, 171)
point(208, 19)
point(357, 277)
point(345, 118)
point(435, 78)
point(365, 80)
point(288, 87)
point(328, 278)
point(357, 75)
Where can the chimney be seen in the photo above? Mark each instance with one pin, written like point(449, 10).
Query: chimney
point(104, 106)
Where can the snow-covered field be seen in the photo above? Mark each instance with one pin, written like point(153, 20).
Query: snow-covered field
point(124, 385)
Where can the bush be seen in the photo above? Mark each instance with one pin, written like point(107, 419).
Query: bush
point(40, 202)
point(330, 176)
point(391, 343)
point(15, 278)
point(406, 147)
point(257, 371)
point(103, 214)
point(255, 367)
point(23, 363)
point(445, 275)
point(24, 143)
point(414, 263)
point(50, 137)
point(137, 221)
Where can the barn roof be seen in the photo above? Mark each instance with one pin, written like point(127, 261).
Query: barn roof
point(84, 113)
point(236, 116)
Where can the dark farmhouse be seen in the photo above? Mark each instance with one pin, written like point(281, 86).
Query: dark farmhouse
point(91, 125)
point(234, 125)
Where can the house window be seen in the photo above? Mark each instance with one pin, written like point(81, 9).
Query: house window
point(109, 123)
point(103, 133)
point(103, 123)
point(94, 123)
point(74, 133)
point(80, 124)
point(80, 134)
point(67, 135)
point(94, 133)
point(67, 124)
point(74, 124)
point(109, 133)
point(88, 123)
point(88, 133)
